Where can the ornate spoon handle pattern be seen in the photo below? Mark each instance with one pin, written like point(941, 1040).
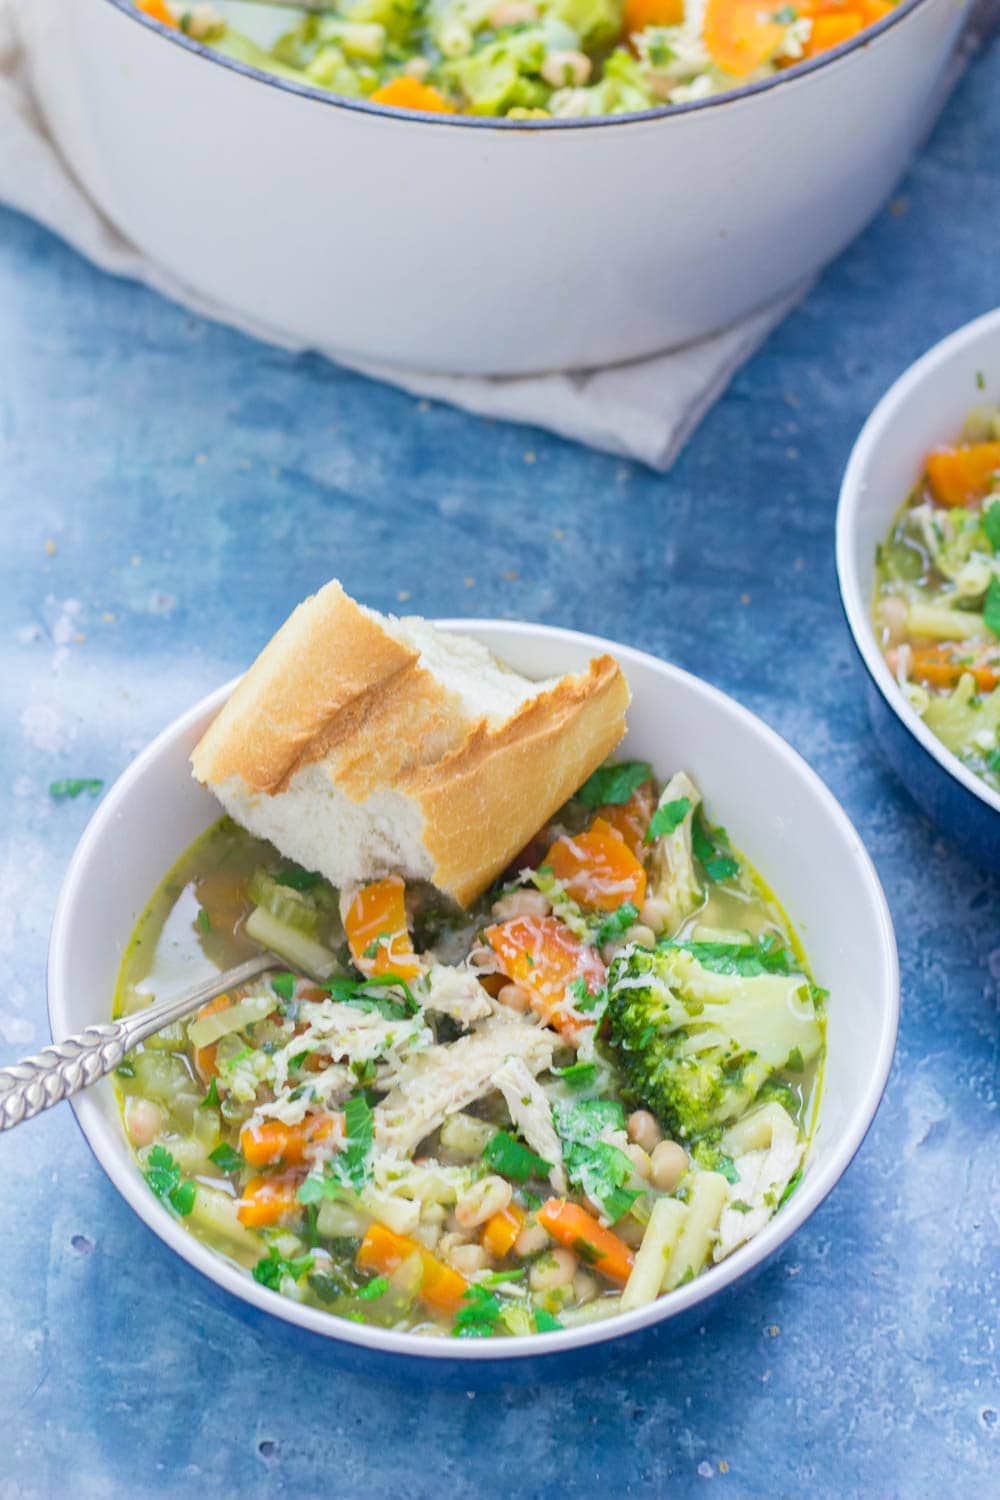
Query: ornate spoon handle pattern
point(28, 1087)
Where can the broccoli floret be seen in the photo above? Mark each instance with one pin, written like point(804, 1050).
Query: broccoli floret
point(697, 1046)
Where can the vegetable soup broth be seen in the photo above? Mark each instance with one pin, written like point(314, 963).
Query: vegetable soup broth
point(481, 1123)
point(936, 606)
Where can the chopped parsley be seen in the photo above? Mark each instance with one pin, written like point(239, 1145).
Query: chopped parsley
point(708, 845)
point(792, 1184)
point(351, 1167)
point(991, 525)
point(374, 1288)
point(477, 1317)
point(227, 1159)
point(204, 920)
point(616, 923)
point(298, 879)
point(579, 1075)
point(595, 1166)
point(283, 986)
point(368, 994)
point(211, 1099)
point(72, 786)
point(980, 380)
point(272, 1267)
point(667, 817)
point(163, 1174)
point(613, 785)
point(512, 1159)
point(545, 1322)
point(765, 956)
point(741, 1206)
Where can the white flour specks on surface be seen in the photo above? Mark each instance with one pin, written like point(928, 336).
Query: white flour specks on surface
point(45, 728)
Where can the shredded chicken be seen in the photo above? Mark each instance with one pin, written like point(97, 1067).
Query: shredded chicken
point(532, 1114)
point(674, 892)
point(455, 992)
point(442, 1079)
point(766, 1153)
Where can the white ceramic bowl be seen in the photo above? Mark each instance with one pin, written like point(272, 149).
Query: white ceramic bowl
point(776, 810)
point(467, 245)
point(925, 408)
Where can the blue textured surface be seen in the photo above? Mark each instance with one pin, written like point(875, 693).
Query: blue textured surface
point(196, 485)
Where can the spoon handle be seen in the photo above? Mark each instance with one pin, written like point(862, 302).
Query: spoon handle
point(28, 1087)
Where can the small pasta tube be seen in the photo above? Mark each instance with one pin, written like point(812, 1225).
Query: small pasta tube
point(662, 1232)
point(705, 1200)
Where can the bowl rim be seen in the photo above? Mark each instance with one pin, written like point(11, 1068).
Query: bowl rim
point(855, 600)
point(118, 1163)
point(799, 70)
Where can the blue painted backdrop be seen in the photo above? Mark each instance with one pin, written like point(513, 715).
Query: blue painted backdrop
point(168, 490)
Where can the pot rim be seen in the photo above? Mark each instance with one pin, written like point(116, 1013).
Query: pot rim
point(798, 71)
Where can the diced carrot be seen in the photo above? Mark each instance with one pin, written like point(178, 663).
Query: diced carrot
point(376, 930)
point(632, 818)
point(960, 476)
point(642, 13)
point(272, 1141)
point(410, 93)
point(501, 1230)
point(833, 27)
point(572, 1226)
point(382, 1250)
point(875, 10)
point(544, 957)
point(204, 1057)
point(158, 10)
point(740, 35)
point(597, 868)
point(944, 666)
point(266, 1200)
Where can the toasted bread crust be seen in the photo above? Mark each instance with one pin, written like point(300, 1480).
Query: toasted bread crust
point(336, 686)
point(483, 801)
point(331, 683)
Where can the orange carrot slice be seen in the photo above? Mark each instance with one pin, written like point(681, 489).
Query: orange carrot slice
point(961, 476)
point(158, 10)
point(501, 1231)
point(204, 1057)
point(572, 1226)
point(642, 13)
point(410, 93)
point(382, 1250)
point(544, 958)
point(944, 666)
point(632, 818)
point(272, 1141)
point(376, 929)
point(597, 868)
point(267, 1200)
point(740, 35)
point(833, 27)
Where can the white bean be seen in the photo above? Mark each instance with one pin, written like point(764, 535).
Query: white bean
point(566, 69)
point(531, 1240)
point(640, 1160)
point(670, 1162)
point(514, 996)
point(482, 1200)
point(655, 914)
point(641, 934)
point(468, 1259)
point(522, 904)
point(512, 13)
point(585, 1288)
point(644, 1129)
point(892, 613)
point(143, 1120)
point(553, 1269)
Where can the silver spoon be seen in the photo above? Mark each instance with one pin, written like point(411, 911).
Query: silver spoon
point(28, 1087)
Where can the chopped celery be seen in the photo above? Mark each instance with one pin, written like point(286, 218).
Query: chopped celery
point(944, 624)
point(294, 908)
point(208, 1029)
point(299, 951)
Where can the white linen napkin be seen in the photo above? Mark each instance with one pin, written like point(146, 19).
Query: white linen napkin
point(644, 410)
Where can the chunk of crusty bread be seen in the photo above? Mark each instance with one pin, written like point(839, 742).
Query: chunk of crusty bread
point(362, 746)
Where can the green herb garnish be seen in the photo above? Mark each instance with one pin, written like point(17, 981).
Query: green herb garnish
point(991, 608)
point(211, 1099)
point(283, 986)
point(72, 786)
point(667, 817)
point(613, 785)
point(269, 1271)
point(617, 922)
point(163, 1174)
point(512, 1159)
point(227, 1159)
point(204, 920)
